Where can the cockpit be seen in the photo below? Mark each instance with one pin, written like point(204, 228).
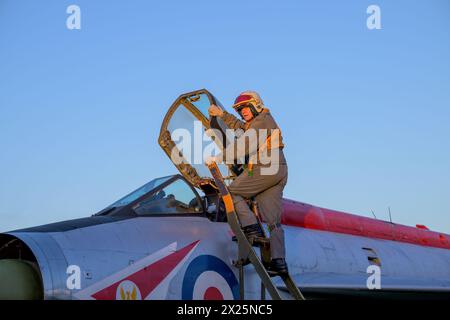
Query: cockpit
point(167, 196)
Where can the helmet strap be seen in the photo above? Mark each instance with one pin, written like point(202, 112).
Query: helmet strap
point(253, 109)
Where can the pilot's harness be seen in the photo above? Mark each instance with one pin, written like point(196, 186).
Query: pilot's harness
point(267, 145)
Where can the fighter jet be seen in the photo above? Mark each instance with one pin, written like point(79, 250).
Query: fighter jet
point(170, 239)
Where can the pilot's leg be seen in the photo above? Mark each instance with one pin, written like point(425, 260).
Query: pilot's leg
point(246, 186)
point(271, 207)
point(243, 188)
point(246, 216)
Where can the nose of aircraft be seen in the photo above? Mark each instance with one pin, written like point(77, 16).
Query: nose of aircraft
point(19, 280)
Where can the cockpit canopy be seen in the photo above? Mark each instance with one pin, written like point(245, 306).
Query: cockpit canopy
point(186, 137)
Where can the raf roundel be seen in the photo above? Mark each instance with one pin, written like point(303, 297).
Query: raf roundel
point(209, 278)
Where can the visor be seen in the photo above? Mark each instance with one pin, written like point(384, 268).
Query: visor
point(244, 100)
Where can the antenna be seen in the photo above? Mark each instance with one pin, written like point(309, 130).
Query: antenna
point(374, 215)
point(390, 215)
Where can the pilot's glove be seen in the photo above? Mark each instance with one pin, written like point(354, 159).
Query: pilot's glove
point(215, 111)
point(210, 160)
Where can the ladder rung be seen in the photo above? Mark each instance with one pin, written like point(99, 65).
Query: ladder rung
point(256, 242)
point(261, 241)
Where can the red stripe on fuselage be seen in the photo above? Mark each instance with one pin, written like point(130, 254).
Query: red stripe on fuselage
point(149, 277)
point(303, 215)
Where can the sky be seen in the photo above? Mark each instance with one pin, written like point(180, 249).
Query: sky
point(364, 113)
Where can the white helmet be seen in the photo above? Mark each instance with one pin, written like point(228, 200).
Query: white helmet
point(249, 99)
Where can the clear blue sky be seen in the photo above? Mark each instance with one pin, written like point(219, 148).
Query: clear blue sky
point(365, 113)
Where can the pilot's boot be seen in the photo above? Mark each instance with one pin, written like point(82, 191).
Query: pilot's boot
point(277, 267)
point(252, 232)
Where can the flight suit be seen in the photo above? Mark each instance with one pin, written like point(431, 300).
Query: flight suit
point(268, 189)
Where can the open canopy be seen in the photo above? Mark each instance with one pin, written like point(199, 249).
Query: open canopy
point(185, 137)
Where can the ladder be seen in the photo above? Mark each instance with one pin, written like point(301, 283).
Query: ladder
point(246, 253)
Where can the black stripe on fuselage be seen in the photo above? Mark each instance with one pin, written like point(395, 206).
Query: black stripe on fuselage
point(74, 224)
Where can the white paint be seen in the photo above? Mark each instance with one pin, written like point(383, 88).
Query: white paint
point(211, 279)
point(122, 274)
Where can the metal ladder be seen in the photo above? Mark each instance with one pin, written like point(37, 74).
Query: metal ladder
point(246, 252)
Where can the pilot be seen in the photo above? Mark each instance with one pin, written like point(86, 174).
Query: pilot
point(266, 187)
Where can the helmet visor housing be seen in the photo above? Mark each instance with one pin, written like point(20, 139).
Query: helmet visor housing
point(246, 101)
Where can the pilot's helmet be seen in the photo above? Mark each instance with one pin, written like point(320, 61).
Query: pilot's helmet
point(249, 99)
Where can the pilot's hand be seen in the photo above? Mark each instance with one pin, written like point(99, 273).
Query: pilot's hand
point(215, 111)
point(210, 160)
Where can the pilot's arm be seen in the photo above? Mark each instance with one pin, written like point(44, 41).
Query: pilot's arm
point(230, 120)
point(248, 143)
